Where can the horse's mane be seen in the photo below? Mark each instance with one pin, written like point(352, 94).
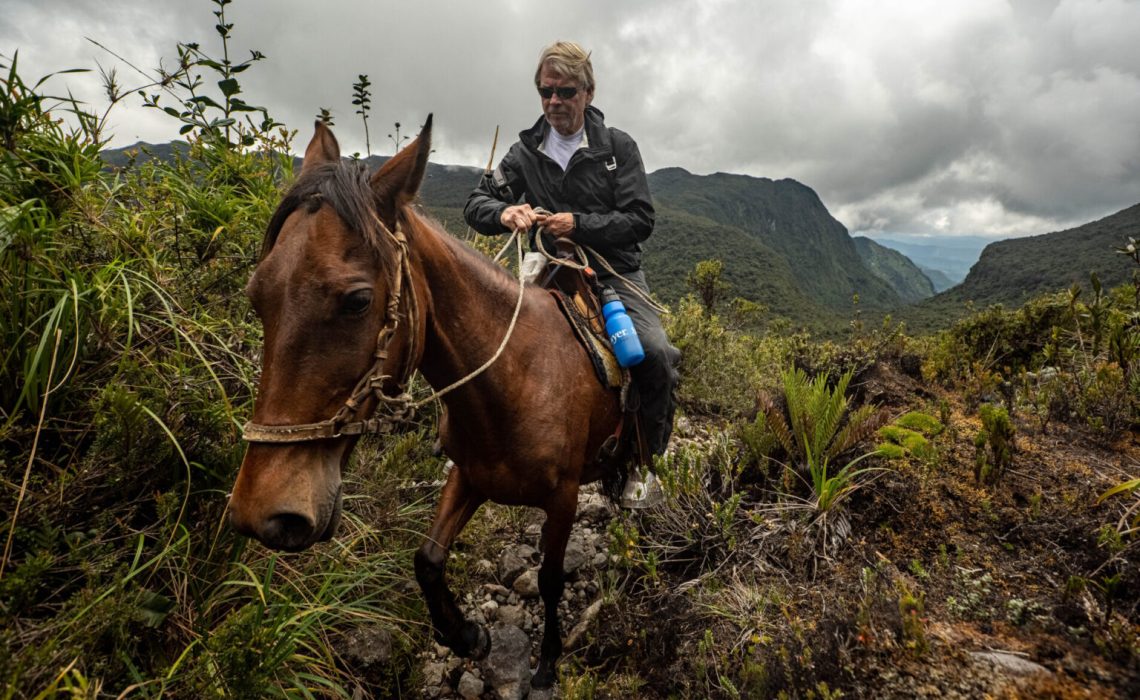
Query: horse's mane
point(499, 276)
point(344, 185)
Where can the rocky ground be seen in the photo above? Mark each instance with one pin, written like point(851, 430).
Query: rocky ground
point(508, 602)
point(944, 588)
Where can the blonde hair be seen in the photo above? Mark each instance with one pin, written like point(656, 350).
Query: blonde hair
point(568, 60)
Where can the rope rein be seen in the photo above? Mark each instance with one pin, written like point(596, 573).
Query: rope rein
point(581, 264)
point(502, 345)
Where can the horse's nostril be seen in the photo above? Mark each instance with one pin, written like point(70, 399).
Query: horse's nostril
point(288, 531)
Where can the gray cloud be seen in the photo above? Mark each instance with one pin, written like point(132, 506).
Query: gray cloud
point(907, 117)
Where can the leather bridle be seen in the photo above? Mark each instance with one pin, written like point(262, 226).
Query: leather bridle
point(392, 409)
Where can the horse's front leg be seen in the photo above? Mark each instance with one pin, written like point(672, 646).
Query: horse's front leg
point(552, 579)
point(457, 503)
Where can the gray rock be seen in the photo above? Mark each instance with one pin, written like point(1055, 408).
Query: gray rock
point(489, 609)
point(497, 590)
point(507, 668)
point(587, 618)
point(484, 567)
point(367, 646)
point(452, 665)
point(526, 585)
point(510, 566)
point(469, 686)
point(433, 675)
point(512, 615)
point(600, 559)
point(513, 691)
point(1011, 663)
point(594, 507)
point(578, 553)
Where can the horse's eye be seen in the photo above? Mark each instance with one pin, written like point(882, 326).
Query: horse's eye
point(357, 302)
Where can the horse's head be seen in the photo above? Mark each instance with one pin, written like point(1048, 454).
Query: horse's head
point(326, 289)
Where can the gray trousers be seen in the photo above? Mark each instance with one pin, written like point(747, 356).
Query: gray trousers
point(655, 377)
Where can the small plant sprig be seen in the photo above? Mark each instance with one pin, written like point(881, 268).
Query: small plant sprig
point(996, 434)
point(213, 120)
point(325, 116)
point(397, 140)
point(362, 99)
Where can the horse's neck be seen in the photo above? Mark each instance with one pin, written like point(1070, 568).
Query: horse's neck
point(470, 306)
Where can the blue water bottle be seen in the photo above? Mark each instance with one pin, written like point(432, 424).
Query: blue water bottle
point(619, 326)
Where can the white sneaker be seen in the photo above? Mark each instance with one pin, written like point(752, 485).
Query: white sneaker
point(642, 490)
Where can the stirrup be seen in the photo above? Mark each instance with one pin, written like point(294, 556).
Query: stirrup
point(642, 490)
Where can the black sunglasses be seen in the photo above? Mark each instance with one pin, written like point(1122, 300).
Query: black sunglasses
point(564, 93)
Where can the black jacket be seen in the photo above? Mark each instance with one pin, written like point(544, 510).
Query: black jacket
point(604, 186)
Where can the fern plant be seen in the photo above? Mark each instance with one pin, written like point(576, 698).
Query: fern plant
point(818, 429)
point(814, 429)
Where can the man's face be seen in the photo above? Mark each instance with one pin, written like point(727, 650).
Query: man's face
point(565, 115)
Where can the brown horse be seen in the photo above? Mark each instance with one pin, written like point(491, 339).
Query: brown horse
point(356, 291)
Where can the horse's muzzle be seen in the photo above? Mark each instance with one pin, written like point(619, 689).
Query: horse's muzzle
point(293, 532)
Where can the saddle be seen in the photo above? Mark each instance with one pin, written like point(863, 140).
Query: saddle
point(575, 292)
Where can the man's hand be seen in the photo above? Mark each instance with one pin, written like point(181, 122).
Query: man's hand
point(519, 217)
point(560, 225)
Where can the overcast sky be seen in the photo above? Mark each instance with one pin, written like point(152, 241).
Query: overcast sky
point(906, 116)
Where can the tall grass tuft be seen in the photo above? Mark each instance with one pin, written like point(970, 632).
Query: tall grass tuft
point(129, 357)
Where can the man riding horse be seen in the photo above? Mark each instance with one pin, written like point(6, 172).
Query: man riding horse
point(579, 180)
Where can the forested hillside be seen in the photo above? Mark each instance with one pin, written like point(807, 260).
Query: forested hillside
point(788, 218)
point(1015, 270)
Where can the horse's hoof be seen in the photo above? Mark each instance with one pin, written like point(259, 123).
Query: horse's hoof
point(543, 678)
point(477, 642)
point(483, 645)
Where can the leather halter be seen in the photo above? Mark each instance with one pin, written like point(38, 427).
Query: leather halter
point(396, 408)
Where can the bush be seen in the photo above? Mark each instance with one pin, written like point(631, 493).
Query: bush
point(719, 371)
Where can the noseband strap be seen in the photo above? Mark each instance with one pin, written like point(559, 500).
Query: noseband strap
point(397, 408)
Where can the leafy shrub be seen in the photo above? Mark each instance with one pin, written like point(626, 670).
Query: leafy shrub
point(718, 365)
point(128, 362)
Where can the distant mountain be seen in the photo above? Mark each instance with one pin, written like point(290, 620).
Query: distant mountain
point(894, 268)
point(141, 152)
point(938, 278)
point(953, 256)
point(1012, 271)
point(784, 216)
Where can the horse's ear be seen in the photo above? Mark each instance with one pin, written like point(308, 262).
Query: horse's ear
point(322, 149)
point(397, 181)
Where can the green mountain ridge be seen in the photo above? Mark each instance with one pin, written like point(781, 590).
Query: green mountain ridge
point(787, 217)
point(1013, 271)
point(896, 269)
